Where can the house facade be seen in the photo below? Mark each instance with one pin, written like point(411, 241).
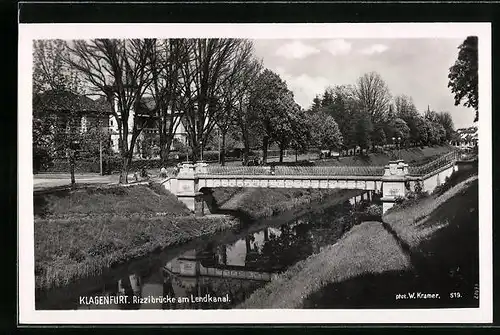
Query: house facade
point(148, 142)
point(467, 138)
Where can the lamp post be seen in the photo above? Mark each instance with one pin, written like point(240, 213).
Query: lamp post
point(397, 141)
point(218, 138)
point(201, 150)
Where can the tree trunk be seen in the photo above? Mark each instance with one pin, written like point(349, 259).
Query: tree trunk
point(247, 245)
point(124, 170)
point(265, 143)
point(246, 150)
point(196, 153)
point(72, 169)
point(281, 154)
point(296, 156)
point(223, 150)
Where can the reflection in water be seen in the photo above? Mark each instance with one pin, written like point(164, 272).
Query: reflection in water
point(233, 271)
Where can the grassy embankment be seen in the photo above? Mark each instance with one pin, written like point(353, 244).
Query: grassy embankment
point(415, 156)
point(81, 233)
point(431, 244)
point(260, 202)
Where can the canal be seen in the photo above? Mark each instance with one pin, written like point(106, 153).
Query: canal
point(220, 272)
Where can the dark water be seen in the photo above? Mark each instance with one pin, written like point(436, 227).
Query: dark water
point(223, 274)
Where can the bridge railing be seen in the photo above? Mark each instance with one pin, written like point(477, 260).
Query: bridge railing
point(433, 165)
point(331, 170)
point(298, 170)
point(238, 170)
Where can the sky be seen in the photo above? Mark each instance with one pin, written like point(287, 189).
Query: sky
point(414, 67)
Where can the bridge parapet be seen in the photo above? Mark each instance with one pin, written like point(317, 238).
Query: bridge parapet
point(422, 170)
point(297, 170)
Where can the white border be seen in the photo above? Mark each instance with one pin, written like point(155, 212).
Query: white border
point(29, 32)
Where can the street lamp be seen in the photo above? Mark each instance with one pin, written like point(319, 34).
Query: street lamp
point(397, 141)
point(201, 150)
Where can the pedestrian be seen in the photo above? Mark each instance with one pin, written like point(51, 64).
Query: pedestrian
point(163, 172)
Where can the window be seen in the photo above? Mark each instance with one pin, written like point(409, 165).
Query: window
point(111, 123)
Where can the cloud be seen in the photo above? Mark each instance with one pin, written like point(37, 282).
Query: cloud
point(304, 86)
point(374, 49)
point(296, 50)
point(337, 47)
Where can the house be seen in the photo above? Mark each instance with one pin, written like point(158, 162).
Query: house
point(466, 138)
point(78, 114)
point(73, 113)
point(148, 142)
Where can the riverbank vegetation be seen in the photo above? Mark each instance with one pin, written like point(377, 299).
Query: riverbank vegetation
point(263, 202)
point(78, 234)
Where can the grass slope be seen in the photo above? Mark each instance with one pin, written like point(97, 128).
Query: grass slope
point(366, 248)
point(120, 201)
point(411, 223)
point(414, 156)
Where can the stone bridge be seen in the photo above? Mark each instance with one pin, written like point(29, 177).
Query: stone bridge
point(392, 180)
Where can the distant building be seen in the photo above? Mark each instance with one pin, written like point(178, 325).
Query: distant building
point(149, 134)
point(70, 113)
point(79, 113)
point(466, 138)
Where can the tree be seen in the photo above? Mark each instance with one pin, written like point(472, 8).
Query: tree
point(445, 119)
point(316, 105)
point(117, 69)
point(206, 67)
point(246, 118)
point(164, 64)
point(270, 102)
point(52, 77)
point(401, 129)
point(363, 129)
point(231, 91)
point(373, 96)
point(291, 127)
point(325, 132)
point(342, 108)
point(379, 137)
point(422, 134)
point(405, 109)
point(463, 76)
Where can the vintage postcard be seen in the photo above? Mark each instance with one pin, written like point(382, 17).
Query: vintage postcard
point(255, 173)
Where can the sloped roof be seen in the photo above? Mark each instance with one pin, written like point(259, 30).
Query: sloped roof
point(65, 101)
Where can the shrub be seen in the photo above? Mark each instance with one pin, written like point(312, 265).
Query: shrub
point(418, 187)
point(374, 210)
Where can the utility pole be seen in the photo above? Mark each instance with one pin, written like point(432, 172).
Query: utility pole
point(218, 138)
point(100, 155)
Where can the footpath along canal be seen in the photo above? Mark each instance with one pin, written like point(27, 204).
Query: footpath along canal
point(220, 271)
